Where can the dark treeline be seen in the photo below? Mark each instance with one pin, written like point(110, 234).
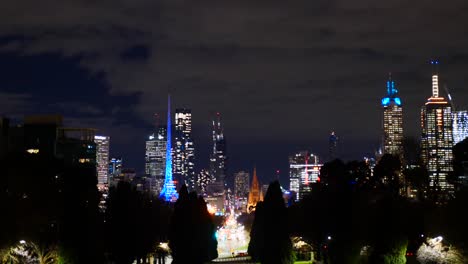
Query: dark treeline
point(53, 208)
point(352, 216)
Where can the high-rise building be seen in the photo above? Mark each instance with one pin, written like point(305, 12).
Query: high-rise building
point(115, 167)
point(241, 190)
point(204, 178)
point(102, 159)
point(184, 150)
point(437, 141)
point(255, 193)
point(155, 159)
point(392, 121)
point(218, 156)
point(241, 184)
point(169, 192)
point(332, 146)
point(304, 170)
point(460, 126)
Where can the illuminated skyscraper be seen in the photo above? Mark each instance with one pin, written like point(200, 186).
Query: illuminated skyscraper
point(155, 159)
point(304, 169)
point(460, 126)
point(184, 150)
point(169, 193)
point(332, 146)
point(218, 155)
point(115, 167)
point(437, 140)
point(392, 121)
point(102, 159)
point(241, 184)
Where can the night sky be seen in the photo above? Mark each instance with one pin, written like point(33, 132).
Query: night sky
point(281, 73)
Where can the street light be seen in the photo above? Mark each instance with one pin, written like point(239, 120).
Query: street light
point(22, 242)
point(329, 237)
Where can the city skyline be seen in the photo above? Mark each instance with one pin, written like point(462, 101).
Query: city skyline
point(264, 71)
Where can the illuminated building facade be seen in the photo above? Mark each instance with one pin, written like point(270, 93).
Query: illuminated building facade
point(218, 155)
point(115, 167)
point(255, 193)
point(102, 159)
point(437, 141)
point(392, 121)
point(460, 126)
point(184, 150)
point(204, 178)
point(155, 159)
point(304, 170)
point(241, 190)
point(169, 193)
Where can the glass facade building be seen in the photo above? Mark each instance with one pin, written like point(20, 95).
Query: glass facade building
point(218, 155)
point(460, 126)
point(392, 121)
point(102, 159)
point(304, 170)
point(184, 150)
point(437, 142)
point(155, 159)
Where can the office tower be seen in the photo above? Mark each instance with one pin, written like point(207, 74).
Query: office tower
point(332, 146)
point(241, 184)
point(155, 159)
point(392, 121)
point(241, 190)
point(115, 167)
point(437, 141)
point(102, 159)
point(184, 150)
point(460, 126)
point(169, 193)
point(304, 170)
point(255, 193)
point(218, 156)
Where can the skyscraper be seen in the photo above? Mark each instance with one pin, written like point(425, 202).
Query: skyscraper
point(102, 159)
point(115, 167)
point(218, 155)
point(155, 159)
point(241, 184)
point(169, 193)
point(304, 169)
point(392, 121)
point(437, 140)
point(460, 126)
point(332, 146)
point(184, 150)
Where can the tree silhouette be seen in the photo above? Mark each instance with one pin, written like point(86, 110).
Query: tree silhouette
point(192, 232)
point(269, 239)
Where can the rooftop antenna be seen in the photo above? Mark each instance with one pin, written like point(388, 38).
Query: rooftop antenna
point(435, 78)
point(449, 97)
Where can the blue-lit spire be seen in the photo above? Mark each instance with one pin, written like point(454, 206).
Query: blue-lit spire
point(169, 193)
point(391, 93)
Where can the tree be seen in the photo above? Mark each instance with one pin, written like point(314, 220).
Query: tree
point(192, 232)
point(387, 173)
point(269, 239)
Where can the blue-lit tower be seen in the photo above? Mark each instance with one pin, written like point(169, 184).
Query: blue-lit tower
point(392, 121)
point(169, 192)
